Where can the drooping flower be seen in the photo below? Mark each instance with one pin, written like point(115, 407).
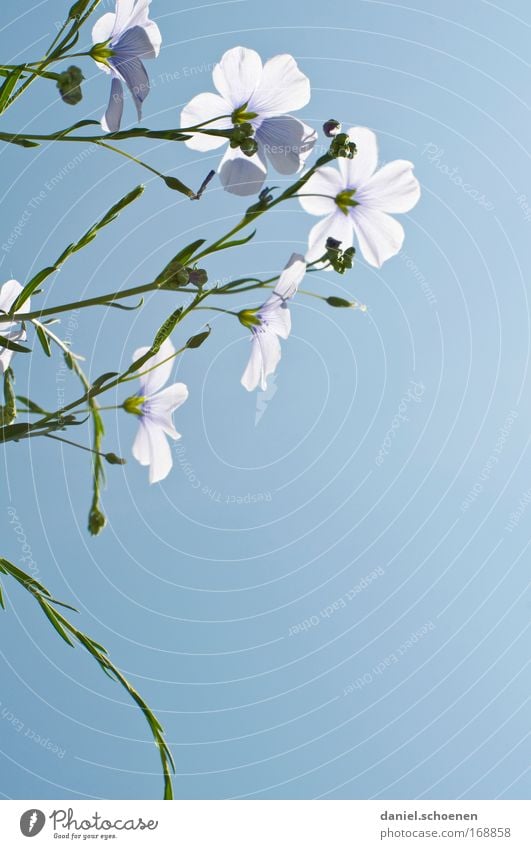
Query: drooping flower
point(270, 322)
point(123, 38)
point(12, 330)
point(355, 198)
point(154, 407)
point(261, 95)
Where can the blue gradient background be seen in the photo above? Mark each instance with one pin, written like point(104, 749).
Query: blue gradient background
point(193, 587)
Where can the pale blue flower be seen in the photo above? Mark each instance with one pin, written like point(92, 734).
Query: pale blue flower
point(154, 407)
point(131, 36)
point(259, 94)
point(269, 323)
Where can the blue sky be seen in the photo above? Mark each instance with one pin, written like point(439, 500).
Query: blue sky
point(403, 542)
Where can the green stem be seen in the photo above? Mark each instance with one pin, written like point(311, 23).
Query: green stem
point(68, 631)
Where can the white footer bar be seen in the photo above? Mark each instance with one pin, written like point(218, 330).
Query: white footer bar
point(268, 824)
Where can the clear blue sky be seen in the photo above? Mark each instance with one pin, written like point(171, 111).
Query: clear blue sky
point(273, 519)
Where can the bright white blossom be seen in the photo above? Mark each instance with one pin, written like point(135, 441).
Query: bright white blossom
point(356, 199)
point(250, 92)
point(131, 36)
point(11, 330)
point(269, 323)
point(154, 407)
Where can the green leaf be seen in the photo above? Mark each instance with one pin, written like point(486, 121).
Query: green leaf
point(13, 346)
point(236, 242)
point(187, 253)
point(103, 378)
point(43, 339)
point(85, 240)
point(52, 617)
point(6, 89)
point(31, 405)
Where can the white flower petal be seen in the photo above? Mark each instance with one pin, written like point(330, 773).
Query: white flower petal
point(271, 352)
point(291, 277)
point(164, 403)
point(141, 446)
point(337, 225)
point(103, 28)
point(154, 35)
point(161, 460)
point(8, 295)
point(286, 142)
point(356, 171)
point(318, 195)
point(203, 108)
point(154, 380)
point(393, 188)
point(380, 236)
point(282, 87)
point(151, 449)
point(265, 356)
point(124, 13)
point(237, 74)
point(276, 317)
point(242, 175)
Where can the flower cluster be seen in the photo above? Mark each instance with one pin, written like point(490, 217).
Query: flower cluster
point(249, 119)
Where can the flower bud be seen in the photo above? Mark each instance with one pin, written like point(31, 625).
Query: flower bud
point(69, 85)
point(114, 460)
point(198, 339)
point(342, 147)
point(331, 128)
point(197, 277)
point(96, 522)
point(249, 147)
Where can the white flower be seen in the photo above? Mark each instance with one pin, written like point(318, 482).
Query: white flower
point(11, 330)
point(155, 406)
point(356, 199)
point(131, 37)
point(260, 95)
point(271, 321)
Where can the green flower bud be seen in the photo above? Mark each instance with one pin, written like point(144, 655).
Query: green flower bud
point(114, 460)
point(198, 339)
point(173, 276)
point(69, 85)
point(342, 147)
point(249, 147)
point(96, 522)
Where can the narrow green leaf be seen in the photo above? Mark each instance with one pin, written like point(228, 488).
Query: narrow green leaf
point(31, 405)
point(236, 242)
point(85, 240)
point(43, 339)
point(103, 378)
point(8, 85)
point(51, 616)
point(13, 346)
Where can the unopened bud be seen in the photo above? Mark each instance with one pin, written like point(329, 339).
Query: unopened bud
point(114, 460)
point(249, 147)
point(69, 85)
point(96, 522)
point(331, 128)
